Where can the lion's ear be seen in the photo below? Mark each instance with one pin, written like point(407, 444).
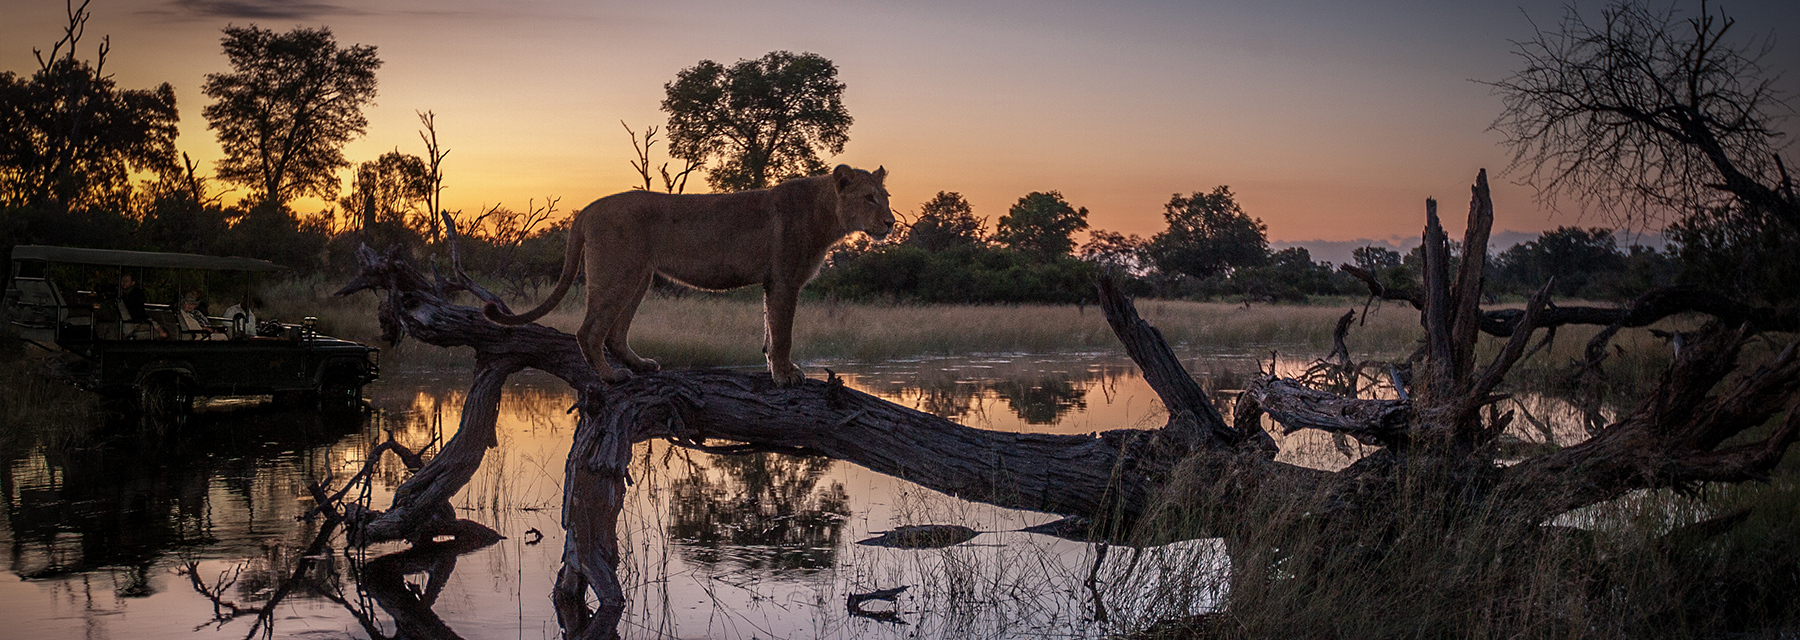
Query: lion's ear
point(880, 173)
point(843, 174)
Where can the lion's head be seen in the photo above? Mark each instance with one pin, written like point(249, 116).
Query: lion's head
point(863, 201)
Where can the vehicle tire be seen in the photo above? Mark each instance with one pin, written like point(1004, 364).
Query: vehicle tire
point(166, 394)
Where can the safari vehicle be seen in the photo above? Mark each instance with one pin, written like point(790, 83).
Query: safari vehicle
point(150, 348)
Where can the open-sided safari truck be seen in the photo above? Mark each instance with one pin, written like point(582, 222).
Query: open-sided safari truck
point(133, 325)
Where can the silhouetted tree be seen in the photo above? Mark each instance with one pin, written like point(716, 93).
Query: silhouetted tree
point(69, 137)
point(945, 221)
point(1208, 234)
point(757, 121)
point(1122, 253)
point(286, 109)
point(1374, 259)
point(1648, 111)
point(1754, 259)
point(1578, 259)
point(385, 196)
point(1041, 224)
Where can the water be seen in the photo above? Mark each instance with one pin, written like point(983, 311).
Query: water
point(132, 534)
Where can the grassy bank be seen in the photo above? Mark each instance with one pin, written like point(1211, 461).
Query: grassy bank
point(705, 330)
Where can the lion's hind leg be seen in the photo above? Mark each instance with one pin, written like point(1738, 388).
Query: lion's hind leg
point(592, 338)
point(617, 340)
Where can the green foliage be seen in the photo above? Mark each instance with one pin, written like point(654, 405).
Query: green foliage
point(945, 221)
point(758, 121)
point(1209, 234)
point(1290, 276)
point(1577, 258)
point(1744, 253)
point(1041, 224)
point(1115, 251)
point(69, 136)
point(967, 274)
point(286, 109)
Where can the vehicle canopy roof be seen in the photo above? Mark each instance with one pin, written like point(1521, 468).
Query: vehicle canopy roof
point(120, 258)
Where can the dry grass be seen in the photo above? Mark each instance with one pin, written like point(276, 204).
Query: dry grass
point(710, 331)
point(1434, 567)
point(704, 330)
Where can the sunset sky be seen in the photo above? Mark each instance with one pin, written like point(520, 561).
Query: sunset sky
point(1330, 120)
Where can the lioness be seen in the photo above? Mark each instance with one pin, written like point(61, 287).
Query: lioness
point(773, 237)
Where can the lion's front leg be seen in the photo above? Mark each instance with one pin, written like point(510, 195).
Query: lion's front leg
point(778, 334)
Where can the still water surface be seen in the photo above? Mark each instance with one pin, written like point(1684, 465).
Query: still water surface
point(130, 534)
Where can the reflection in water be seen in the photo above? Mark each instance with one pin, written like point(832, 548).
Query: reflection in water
point(127, 533)
point(761, 511)
point(130, 496)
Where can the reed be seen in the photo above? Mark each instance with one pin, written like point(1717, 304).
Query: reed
point(1436, 568)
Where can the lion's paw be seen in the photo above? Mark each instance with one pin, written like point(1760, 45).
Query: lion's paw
point(645, 365)
point(787, 376)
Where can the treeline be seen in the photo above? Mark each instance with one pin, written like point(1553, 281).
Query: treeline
point(1211, 250)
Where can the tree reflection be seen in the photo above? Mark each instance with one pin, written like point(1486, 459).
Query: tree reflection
point(121, 496)
point(762, 511)
point(1044, 400)
point(1036, 396)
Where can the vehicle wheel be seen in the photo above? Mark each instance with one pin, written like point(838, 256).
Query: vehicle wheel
point(166, 395)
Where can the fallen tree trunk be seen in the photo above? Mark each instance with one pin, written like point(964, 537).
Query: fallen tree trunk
point(1196, 476)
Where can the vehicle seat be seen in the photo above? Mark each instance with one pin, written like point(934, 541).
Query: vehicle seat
point(192, 328)
point(240, 322)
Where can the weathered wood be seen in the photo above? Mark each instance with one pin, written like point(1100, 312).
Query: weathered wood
point(1191, 414)
point(1295, 407)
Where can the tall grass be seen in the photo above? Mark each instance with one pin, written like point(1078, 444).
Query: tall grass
point(1434, 566)
point(708, 331)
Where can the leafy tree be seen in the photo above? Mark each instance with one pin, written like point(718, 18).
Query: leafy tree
point(177, 212)
point(69, 136)
point(945, 221)
point(1577, 258)
point(1289, 276)
point(969, 273)
point(1646, 111)
point(1208, 234)
point(757, 121)
point(1115, 251)
point(1041, 224)
point(286, 109)
point(1373, 259)
point(386, 198)
point(1755, 260)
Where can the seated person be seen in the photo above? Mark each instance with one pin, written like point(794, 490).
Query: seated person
point(134, 320)
point(194, 323)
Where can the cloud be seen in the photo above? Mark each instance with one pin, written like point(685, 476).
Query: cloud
point(257, 9)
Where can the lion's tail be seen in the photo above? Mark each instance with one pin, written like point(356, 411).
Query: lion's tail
point(571, 264)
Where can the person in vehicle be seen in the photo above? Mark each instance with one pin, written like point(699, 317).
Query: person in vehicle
point(194, 323)
point(136, 321)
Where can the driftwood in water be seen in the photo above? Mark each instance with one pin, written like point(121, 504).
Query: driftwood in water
point(1117, 478)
